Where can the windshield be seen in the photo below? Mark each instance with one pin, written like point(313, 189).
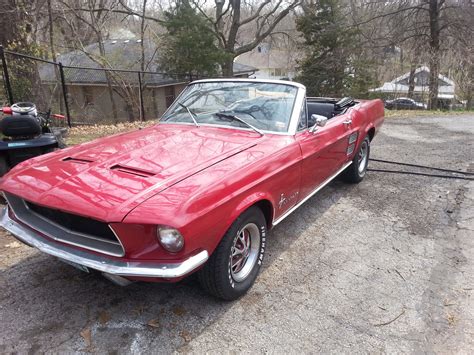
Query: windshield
point(265, 106)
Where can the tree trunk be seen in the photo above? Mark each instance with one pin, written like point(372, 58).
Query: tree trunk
point(470, 88)
point(109, 81)
point(142, 60)
point(469, 105)
point(434, 54)
point(56, 94)
point(219, 19)
point(228, 67)
point(102, 53)
point(51, 32)
point(411, 81)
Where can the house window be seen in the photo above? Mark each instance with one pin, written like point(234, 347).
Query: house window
point(278, 72)
point(88, 95)
point(169, 95)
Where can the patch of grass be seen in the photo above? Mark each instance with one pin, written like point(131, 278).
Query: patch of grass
point(82, 134)
point(422, 113)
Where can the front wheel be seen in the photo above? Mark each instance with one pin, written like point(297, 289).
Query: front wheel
point(356, 171)
point(234, 265)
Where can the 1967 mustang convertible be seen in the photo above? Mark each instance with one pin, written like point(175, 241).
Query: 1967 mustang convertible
point(195, 193)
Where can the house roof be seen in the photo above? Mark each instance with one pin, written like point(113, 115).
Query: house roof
point(399, 85)
point(122, 54)
point(444, 92)
point(423, 68)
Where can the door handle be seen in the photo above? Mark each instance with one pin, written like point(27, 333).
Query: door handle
point(347, 122)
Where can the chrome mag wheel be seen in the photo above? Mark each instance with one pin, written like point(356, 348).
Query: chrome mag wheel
point(244, 252)
point(234, 265)
point(363, 156)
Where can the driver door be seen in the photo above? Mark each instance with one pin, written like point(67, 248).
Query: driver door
point(324, 152)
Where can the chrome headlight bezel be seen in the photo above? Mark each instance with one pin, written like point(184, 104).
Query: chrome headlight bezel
point(170, 239)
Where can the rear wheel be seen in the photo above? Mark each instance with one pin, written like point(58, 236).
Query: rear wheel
point(356, 171)
point(234, 265)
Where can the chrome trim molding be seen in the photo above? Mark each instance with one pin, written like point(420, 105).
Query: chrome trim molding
point(327, 181)
point(297, 107)
point(98, 262)
point(249, 80)
point(60, 233)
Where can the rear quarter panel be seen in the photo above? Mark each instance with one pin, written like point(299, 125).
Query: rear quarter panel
point(367, 117)
point(372, 115)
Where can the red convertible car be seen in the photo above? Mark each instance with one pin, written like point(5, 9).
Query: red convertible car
point(197, 192)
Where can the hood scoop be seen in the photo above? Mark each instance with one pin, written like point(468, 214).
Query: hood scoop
point(77, 160)
point(132, 171)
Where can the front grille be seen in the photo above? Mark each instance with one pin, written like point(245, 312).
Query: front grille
point(73, 222)
point(66, 227)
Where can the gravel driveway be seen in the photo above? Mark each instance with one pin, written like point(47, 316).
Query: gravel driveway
point(384, 266)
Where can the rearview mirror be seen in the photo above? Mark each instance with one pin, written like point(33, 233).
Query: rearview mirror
point(320, 121)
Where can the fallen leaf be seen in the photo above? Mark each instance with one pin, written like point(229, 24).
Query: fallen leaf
point(13, 245)
point(139, 310)
point(179, 311)
point(87, 336)
point(185, 335)
point(451, 318)
point(448, 303)
point(104, 317)
point(154, 323)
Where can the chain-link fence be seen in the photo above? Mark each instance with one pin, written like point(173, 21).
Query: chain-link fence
point(87, 95)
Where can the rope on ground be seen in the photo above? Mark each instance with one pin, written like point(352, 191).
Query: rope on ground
point(420, 174)
point(422, 167)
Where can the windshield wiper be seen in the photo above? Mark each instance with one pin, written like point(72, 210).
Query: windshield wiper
point(190, 113)
point(236, 118)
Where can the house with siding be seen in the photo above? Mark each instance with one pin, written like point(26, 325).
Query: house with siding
point(93, 92)
point(400, 87)
point(271, 61)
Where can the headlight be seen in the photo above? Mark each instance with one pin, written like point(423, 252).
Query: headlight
point(170, 239)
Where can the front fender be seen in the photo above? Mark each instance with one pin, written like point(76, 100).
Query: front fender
point(252, 199)
point(204, 206)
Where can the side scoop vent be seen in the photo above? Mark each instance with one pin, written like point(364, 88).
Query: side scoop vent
point(132, 171)
point(77, 160)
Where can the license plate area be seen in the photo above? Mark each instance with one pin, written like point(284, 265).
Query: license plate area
point(76, 265)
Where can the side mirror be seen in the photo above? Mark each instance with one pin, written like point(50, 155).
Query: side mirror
point(320, 121)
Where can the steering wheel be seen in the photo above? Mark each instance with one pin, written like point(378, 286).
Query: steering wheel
point(252, 109)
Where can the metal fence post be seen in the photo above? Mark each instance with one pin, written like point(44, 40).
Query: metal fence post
point(63, 85)
point(6, 77)
point(140, 92)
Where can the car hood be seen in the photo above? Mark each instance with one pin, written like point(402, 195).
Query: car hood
point(107, 178)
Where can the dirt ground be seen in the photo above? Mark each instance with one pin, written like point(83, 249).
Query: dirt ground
point(384, 266)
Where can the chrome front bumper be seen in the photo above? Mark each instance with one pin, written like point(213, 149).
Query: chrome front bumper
point(97, 262)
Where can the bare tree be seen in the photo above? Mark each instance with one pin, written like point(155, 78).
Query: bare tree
point(96, 22)
point(429, 22)
point(460, 61)
point(259, 19)
point(229, 19)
